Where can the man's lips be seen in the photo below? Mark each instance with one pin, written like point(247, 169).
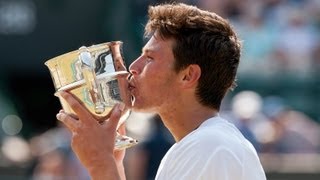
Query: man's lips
point(131, 86)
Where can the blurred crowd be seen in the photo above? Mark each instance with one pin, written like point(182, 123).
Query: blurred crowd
point(273, 126)
point(280, 37)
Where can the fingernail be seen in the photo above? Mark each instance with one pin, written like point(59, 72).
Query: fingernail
point(59, 116)
point(57, 94)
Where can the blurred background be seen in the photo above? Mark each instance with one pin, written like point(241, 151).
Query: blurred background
point(275, 104)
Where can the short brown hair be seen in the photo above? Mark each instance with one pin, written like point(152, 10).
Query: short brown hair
point(202, 38)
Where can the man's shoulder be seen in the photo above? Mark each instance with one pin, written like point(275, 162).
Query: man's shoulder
point(214, 135)
point(214, 131)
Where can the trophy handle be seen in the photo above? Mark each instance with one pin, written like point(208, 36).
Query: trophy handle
point(97, 80)
point(88, 72)
point(121, 71)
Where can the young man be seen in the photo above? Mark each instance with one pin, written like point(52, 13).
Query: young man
point(183, 73)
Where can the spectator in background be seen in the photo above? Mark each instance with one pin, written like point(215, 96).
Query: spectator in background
point(298, 42)
point(293, 132)
point(272, 126)
point(279, 36)
point(54, 157)
point(247, 116)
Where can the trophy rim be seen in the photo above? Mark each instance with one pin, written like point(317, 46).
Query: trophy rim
point(91, 48)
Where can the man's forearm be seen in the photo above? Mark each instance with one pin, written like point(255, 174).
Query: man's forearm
point(121, 171)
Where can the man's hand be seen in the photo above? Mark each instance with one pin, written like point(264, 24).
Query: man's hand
point(92, 141)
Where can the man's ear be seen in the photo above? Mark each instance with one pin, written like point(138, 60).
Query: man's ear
point(191, 75)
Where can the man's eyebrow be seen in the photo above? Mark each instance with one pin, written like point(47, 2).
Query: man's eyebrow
point(146, 50)
point(143, 49)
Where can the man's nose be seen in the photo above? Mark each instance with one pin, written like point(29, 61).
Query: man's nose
point(134, 67)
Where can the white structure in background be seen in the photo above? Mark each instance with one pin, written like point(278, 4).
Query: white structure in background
point(17, 17)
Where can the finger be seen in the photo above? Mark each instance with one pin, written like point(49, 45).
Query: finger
point(72, 115)
point(76, 105)
point(115, 116)
point(124, 116)
point(68, 121)
point(122, 129)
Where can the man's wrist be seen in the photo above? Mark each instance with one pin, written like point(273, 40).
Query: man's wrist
point(104, 169)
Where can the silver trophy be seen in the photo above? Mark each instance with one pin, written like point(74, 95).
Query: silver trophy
point(96, 76)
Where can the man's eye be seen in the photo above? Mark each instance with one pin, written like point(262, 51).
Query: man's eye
point(148, 59)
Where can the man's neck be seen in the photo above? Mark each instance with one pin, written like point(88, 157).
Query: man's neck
point(183, 121)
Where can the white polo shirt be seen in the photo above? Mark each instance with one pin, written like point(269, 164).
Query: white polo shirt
point(216, 150)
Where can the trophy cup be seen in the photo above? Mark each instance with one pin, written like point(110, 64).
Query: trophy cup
point(93, 75)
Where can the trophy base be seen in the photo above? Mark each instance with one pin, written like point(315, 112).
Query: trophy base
point(124, 142)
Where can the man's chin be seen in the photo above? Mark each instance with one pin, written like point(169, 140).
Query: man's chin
point(140, 109)
point(134, 107)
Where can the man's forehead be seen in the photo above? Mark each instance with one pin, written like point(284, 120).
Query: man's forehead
point(152, 45)
point(156, 42)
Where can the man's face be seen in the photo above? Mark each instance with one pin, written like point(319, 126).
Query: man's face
point(152, 84)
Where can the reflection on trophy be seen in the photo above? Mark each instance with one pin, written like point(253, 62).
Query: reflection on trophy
point(96, 75)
